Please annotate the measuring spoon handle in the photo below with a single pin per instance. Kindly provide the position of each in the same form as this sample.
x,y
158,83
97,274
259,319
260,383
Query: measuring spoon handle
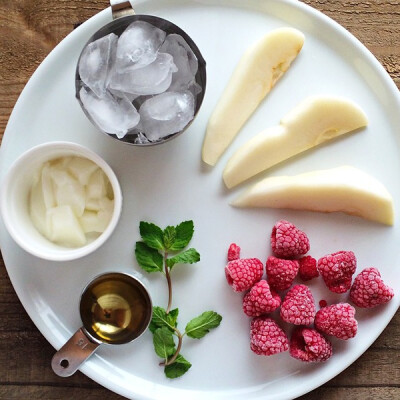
x,y
69,358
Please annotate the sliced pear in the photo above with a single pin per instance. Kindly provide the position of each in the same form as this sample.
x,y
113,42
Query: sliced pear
x,y
345,189
256,74
314,121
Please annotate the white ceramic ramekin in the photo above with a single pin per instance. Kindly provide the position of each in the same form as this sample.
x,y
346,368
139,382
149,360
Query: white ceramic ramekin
x,y
14,201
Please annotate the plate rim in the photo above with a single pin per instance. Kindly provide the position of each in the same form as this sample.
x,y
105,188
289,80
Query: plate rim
x,y
90,369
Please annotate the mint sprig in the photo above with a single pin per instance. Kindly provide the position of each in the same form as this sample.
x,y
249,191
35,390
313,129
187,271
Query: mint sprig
x,y
152,254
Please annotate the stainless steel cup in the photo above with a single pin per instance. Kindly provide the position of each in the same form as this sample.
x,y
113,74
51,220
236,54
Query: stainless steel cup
x,y
115,308
124,15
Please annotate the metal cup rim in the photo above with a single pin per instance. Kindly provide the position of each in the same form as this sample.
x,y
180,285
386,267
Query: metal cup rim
x,y
103,275
201,75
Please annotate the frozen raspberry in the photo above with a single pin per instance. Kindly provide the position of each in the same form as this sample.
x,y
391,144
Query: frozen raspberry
x,y
369,290
260,300
281,273
308,268
267,337
233,252
287,241
337,270
337,320
242,274
298,306
309,345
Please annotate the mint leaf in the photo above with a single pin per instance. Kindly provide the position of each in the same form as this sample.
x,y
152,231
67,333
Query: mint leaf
x,y
169,235
149,259
179,367
184,233
152,235
189,256
201,325
164,344
161,319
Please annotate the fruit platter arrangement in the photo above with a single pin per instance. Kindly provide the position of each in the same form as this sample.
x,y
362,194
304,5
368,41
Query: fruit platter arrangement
x,y
249,195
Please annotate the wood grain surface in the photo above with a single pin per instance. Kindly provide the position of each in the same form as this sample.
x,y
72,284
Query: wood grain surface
x,y
29,29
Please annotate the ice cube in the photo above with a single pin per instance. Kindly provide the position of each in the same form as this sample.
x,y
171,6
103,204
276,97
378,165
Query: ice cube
x,y
96,61
121,95
154,78
115,116
184,59
138,45
141,139
166,114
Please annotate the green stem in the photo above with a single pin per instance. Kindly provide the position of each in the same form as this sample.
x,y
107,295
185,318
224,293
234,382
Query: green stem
x,y
172,359
168,276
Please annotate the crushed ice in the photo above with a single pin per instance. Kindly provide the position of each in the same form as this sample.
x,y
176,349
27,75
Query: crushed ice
x,y
142,82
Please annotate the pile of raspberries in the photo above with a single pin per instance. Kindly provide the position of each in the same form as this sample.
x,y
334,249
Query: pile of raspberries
x,y
307,343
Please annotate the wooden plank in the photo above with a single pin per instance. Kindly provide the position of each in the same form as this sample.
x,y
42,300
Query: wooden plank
x,y
43,392
356,393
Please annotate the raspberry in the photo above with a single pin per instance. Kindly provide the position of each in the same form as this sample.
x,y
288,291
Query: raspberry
x,y
298,306
281,273
233,252
267,337
287,241
337,320
242,274
260,300
309,345
337,270
308,268
369,290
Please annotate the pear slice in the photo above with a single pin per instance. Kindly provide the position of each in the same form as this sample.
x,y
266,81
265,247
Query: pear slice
x,y
255,75
346,189
315,120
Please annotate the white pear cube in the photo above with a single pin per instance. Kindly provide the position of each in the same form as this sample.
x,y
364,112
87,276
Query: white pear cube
x,y
68,191
47,186
255,75
82,169
97,186
315,120
344,189
37,208
92,222
64,227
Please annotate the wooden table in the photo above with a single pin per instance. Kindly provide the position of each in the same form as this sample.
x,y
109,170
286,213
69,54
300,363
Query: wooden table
x,y
29,29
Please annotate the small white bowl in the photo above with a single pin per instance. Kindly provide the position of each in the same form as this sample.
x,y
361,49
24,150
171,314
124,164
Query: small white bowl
x,y
15,201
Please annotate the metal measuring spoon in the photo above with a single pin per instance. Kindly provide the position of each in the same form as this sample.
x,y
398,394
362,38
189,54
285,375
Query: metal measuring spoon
x,y
123,15
115,308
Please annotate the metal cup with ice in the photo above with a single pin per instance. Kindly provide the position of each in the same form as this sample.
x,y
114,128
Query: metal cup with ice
x,y
140,79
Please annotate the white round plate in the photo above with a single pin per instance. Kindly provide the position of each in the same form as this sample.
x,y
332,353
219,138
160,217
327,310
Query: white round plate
x,y
168,184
